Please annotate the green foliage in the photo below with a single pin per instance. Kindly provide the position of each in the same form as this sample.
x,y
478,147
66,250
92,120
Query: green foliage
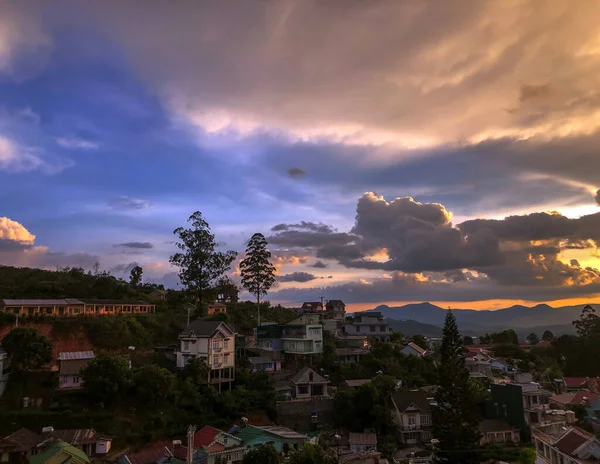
x,y
455,419
258,274
135,276
106,378
265,454
505,337
510,350
27,349
533,339
547,336
580,412
244,316
199,262
154,384
313,454
467,340
527,456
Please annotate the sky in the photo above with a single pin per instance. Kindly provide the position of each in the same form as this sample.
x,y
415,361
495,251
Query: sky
x,y
390,151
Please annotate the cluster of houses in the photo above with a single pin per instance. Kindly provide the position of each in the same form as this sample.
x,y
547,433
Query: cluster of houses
x,y
70,307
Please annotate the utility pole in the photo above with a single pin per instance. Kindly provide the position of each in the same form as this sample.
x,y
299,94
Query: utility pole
x,y
190,443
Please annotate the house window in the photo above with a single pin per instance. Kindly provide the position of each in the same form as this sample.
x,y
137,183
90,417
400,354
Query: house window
x,y
75,379
372,328
318,345
424,419
303,389
225,358
382,328
186,345
426,435
216,345
226,344
412,420
358,328
215,359
75,310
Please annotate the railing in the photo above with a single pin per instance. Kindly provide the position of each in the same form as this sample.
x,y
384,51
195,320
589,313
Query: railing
x,y
217,349
412,428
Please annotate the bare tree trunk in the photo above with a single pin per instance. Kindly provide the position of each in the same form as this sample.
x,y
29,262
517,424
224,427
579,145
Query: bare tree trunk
x,y
258,307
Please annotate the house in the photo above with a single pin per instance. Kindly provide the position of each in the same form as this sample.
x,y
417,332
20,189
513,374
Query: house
x,y
68,307
70,365
216,308
362,442
264,364
312,306
369,323
335,309
412,349
368,457
86,440
3,370
309,384
19,446
301,339
352,341
213,342
350,355
412,414
158,452
502,366
59,452
565,446
478,368
589,400
306,318
498,431
355,384
582,383
159,294
269,339
214,446
282,438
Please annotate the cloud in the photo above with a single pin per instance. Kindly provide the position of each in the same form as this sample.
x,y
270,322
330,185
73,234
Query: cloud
x,y
297,277
76,143
128,203
12,231
597,197
139,245
21,37
123,269
319,265
296,173
16,158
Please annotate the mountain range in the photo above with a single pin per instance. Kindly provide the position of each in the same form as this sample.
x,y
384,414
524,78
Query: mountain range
x,y
522,319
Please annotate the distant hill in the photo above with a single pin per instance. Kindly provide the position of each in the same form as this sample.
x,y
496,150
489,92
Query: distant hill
x,y
520,318
410,328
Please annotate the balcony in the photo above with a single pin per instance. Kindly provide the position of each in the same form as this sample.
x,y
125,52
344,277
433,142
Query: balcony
x,y
412,428
217,349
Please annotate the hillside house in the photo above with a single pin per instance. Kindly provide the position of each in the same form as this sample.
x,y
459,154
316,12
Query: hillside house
x,y
19,446
574,384
264,364
335,309
213,445
412,415
309,384
213,342
70,365
216,308
282,438
350,355
306,318
362,442
300,339
412,349
269,340
70,307
86,440
369,323
163,452
59,452
3,370
589,400
159,294
498,431
565,446
312,306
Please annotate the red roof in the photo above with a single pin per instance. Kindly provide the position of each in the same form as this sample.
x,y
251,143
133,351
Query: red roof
x,y
575,382
153,452
205,436
215,448
572,440
581,394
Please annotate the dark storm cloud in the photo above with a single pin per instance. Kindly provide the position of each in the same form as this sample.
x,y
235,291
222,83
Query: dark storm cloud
x,y
123,268
13,245
297,277
319,265
296,173
139,245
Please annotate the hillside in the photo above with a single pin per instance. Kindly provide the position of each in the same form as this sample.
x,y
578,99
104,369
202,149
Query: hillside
x,y
410,328
518,317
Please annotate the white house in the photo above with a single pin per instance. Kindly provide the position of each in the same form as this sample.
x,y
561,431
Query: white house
x,y
213,342
412,349
70,365
412,416
301,338
369,323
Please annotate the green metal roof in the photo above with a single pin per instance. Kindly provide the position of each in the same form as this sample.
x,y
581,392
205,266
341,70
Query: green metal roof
x,y
56,448
249,433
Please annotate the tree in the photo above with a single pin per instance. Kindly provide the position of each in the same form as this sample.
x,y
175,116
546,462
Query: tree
x,y
588,325
265,454
312,454
527,456
154,383
105,378
533,339
27,349
135,276
506,336
199,261
467,340
226,290
485,339
421,341
196,371
456,421
258,274
547,336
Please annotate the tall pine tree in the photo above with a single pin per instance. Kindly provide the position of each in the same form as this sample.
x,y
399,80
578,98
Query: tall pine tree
x,y
455,418
256,269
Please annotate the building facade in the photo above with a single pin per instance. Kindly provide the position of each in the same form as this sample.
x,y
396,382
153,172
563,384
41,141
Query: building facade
x,y
302,339
370,324
412,416
70,365
69,307
212,342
